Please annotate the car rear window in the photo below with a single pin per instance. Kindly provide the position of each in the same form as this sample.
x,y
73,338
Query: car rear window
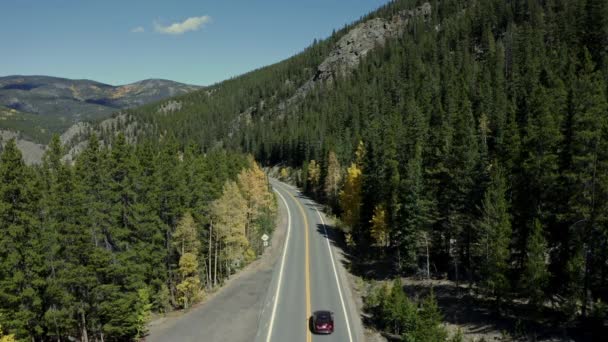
x,y
324,317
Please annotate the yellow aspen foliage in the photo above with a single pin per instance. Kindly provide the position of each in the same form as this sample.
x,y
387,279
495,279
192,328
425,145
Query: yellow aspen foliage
x,y
283,173
254,187
189,289
6,338
334,177
229,217
314,174
350,196
380,228
360,154
185,237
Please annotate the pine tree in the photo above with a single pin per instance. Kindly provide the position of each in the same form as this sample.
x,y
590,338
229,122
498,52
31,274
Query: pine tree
x,y
495,230
22,276
91,249
429,326
535,277
588,123
415,220
65,244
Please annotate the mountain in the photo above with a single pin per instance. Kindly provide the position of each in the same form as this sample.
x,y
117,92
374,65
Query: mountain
x,y
476,135
462,142
45,105
219,114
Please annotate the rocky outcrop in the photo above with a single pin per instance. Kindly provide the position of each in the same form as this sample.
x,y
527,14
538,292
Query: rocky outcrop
x,y
76,137
32,153
170,107
356,44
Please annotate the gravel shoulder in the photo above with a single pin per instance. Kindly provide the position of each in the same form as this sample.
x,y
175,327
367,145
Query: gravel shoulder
x,y
232,313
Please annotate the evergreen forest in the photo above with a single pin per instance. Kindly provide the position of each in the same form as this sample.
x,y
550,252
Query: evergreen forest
x,y
472,147
90,250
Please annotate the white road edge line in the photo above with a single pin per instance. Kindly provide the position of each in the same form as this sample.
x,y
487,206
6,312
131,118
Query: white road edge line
x,y
276,296
333,264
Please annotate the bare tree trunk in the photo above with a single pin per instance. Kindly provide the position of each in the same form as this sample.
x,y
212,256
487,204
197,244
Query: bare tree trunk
x,y
585,284
85,336
215,275
428,264
209,258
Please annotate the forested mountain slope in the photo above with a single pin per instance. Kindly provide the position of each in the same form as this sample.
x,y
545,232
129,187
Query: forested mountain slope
x,y
45,105
475,135
484,130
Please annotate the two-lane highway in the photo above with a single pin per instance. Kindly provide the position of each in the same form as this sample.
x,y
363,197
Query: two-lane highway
x,y
307,277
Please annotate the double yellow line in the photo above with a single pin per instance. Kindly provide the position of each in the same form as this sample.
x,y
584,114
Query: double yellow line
x,y
306,265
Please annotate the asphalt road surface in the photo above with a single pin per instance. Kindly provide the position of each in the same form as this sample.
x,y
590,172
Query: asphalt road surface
x,y
272,299
307,277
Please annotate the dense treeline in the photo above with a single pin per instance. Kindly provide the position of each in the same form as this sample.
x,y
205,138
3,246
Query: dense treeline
x,y
89,250
484,153
399,315
485,144
485,150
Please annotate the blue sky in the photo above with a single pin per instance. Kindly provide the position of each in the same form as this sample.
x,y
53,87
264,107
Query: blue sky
x,y
102,39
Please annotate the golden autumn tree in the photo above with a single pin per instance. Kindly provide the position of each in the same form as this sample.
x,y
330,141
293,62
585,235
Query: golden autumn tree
x,y
333,179
379,229
185,237
284,174
6,338
255,189
229,217
350,196
187,244
189,289
314,175
360,154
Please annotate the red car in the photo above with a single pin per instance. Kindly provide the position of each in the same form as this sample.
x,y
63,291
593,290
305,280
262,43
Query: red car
x,y
323,322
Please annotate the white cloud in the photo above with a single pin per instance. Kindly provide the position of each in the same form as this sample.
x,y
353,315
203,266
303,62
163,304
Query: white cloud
x,y
138,29
190,24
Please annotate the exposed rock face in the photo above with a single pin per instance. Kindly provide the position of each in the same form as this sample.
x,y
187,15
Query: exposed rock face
x,y
76,137
357,43
169,107
32,152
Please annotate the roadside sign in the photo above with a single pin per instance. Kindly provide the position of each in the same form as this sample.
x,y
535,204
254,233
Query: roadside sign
x,y
265,243
265,238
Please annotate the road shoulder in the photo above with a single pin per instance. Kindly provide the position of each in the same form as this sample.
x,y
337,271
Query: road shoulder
x,y
241,299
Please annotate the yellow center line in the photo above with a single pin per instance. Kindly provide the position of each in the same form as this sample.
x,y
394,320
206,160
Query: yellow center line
x,y
306,266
